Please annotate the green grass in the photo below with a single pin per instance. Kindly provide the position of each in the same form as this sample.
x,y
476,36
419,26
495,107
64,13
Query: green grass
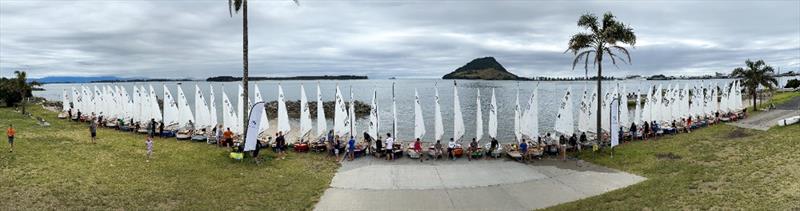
x,y
719,167
57,167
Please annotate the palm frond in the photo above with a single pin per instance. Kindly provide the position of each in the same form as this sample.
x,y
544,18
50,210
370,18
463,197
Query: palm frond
x,y
589,21
582,55
234,6
623,50
579,41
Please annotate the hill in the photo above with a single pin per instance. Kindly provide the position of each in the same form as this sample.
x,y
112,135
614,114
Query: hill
x,y
486,68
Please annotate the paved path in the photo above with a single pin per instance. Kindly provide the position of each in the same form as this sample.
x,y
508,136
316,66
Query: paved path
x,y
405,184
765,120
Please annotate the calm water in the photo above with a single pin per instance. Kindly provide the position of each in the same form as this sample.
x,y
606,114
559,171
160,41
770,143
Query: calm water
x,y
550,93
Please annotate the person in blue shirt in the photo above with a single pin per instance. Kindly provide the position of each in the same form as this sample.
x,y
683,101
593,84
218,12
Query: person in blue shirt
x,y
523,150
351,148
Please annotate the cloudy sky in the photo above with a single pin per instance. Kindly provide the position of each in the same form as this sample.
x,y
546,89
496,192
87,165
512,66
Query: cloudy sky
x,y
381,38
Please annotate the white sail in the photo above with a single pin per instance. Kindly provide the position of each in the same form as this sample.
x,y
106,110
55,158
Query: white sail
x,y
137,104
264,122
564,121
624,121
530,118
373,115
339,115
128,99
240,111
419,122
517,120
305,114
605,123
322,125
212,106
184,112
478,118
493,117
170,109
229,117
283,114
352,115
394,114
583,114
593,111
637,112
438,124
458,120
155,111
64,101
201,110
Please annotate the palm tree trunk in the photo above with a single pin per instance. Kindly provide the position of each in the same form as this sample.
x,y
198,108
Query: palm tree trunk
x,y
755,95
245,72
599,97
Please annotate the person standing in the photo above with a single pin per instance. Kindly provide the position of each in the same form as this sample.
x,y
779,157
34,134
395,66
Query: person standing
x,y
10,133
149,145
152,127
161,129
256,151
389,147
227,138
281,144
368,140
473,148
351,148
492,147
93,130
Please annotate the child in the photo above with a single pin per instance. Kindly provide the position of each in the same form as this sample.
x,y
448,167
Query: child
x,y
149,144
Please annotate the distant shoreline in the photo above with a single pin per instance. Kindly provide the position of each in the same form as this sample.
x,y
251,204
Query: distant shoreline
x,y
324,77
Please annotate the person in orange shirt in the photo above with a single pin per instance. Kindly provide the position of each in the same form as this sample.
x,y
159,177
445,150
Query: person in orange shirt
x,y
228,137
11,133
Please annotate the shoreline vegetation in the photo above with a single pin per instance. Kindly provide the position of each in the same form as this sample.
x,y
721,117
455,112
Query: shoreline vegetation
x,y
57,167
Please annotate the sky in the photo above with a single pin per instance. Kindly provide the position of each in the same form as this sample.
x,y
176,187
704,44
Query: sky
x,y
383,38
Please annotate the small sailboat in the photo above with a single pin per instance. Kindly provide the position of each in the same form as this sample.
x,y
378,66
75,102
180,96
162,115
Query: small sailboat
x,y
322,124
283,115
171,113
229,116
419,127
478,125
202,116
339,115
263,136
305,122
185,117
374,120
438,125
458,122
493,128
563,123
65,107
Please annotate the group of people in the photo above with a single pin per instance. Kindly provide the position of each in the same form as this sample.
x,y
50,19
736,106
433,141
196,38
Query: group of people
x,y
653,129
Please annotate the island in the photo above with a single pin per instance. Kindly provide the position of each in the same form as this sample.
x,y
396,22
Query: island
x,y
324,77
486,68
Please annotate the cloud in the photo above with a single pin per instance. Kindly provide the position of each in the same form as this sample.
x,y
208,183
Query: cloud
x,y
427,39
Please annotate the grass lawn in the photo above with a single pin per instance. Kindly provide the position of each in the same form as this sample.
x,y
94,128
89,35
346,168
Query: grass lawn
x,y
719,167
57,167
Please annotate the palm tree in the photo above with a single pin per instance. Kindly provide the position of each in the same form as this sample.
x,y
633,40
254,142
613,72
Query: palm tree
x,y
602,38
21,86
757,73
241,5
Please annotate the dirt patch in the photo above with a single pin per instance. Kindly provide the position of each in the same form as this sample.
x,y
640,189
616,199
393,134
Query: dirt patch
x,y
738,133
668,156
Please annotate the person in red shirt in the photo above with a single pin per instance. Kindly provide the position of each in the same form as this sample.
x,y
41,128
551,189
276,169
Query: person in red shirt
x,y
418,149
10,132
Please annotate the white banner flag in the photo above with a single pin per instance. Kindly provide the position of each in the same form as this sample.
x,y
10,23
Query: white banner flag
x,y
614,122
254,121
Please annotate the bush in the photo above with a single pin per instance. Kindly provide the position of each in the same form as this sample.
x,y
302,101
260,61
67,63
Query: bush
x,y
794,83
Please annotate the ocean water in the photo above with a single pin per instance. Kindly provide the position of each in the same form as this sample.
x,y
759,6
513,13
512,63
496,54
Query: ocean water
x,y
550,94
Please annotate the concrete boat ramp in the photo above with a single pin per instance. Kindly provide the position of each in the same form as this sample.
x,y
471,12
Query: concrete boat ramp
x,y
406,184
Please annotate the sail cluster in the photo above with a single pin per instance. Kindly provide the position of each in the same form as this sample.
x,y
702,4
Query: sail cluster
x,y
663,103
